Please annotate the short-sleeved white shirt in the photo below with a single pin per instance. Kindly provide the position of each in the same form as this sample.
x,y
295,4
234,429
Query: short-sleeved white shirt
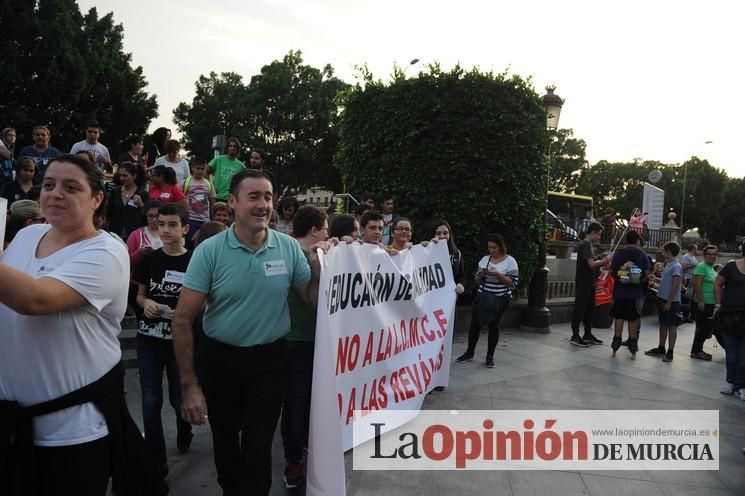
x,y
96,149
46,356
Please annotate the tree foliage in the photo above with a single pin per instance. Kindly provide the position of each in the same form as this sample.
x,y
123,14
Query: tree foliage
x,y
467,146
709,192
289,109
61,69
566,160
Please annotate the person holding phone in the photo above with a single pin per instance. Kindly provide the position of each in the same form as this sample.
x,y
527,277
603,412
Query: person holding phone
x,y
497,276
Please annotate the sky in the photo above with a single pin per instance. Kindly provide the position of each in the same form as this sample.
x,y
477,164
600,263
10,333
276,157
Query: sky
x,y
650,80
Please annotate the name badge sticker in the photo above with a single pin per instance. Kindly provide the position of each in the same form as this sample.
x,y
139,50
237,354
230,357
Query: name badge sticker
x,y
174,277
275,268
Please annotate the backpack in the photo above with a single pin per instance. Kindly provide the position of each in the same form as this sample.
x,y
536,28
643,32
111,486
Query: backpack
x,y
629,274
187,182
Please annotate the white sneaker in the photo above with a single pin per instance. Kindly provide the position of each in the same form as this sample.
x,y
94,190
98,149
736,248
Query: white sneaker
x,y
741,394
728,388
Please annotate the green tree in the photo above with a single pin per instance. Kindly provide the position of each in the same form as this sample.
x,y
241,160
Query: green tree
x,y
289,109
466,146
61,68
566,160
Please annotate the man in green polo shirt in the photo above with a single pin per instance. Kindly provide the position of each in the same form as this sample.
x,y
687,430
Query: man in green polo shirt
x,y
224,167
703,305
244,275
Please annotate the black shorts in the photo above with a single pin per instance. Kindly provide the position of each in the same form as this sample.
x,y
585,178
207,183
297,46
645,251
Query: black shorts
x,y
625,309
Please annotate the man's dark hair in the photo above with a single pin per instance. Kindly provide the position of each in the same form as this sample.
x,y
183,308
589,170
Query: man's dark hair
x,y
132,141
672,247
175,209
237,179
388,196
370,215
198,161
709,247
341,225
93,123
306,218
692,247
632,237
594,227
262,153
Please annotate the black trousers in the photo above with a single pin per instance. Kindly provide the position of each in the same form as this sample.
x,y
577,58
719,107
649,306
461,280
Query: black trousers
x,y
584,306
502,303
704,324
80,469
244,388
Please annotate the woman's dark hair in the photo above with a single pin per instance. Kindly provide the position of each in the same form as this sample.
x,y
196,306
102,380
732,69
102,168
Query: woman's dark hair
x,y
160,136
452,247
136,170
287,202
220,207
24,162
207,230
153,204
172,145
132,141
86,154
498,240
93,176
398,221
168,174
341,225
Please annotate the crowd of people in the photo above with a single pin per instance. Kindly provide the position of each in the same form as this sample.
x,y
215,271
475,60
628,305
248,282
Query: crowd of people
x,y
223,290
222,278
704,293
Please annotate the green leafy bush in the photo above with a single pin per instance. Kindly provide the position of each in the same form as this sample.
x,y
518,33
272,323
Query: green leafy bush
x,y
467,146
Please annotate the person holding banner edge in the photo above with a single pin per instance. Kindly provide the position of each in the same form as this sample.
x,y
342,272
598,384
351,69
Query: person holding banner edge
x,y
310,226
244,274
497,276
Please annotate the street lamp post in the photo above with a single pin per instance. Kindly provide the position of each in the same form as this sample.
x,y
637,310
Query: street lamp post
x,y
411,64
537,317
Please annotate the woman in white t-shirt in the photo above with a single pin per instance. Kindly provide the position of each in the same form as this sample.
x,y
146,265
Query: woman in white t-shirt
x,y
175,161
497,276
62,298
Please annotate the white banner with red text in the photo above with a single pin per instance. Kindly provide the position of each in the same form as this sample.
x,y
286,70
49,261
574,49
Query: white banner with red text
x,y
383,341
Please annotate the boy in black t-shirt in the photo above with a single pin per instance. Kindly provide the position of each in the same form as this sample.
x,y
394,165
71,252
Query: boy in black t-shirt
x,y
159,277
584,282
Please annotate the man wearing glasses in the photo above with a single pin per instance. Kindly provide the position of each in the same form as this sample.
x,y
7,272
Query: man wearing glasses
x,y
224,167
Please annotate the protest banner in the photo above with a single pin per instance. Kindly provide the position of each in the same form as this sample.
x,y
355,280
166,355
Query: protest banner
x,y
3,220
383,341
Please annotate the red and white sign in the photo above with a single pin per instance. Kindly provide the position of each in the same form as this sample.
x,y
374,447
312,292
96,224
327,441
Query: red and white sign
x,y
383,341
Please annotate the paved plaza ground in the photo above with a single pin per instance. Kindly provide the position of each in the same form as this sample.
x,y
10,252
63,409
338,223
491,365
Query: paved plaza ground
x,y
534,372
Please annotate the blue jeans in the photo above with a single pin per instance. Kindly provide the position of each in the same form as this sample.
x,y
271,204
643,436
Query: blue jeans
x,y
296,406
154,355
735,353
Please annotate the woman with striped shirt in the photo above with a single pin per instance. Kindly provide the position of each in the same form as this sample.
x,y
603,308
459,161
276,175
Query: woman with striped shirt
x,y
497,276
